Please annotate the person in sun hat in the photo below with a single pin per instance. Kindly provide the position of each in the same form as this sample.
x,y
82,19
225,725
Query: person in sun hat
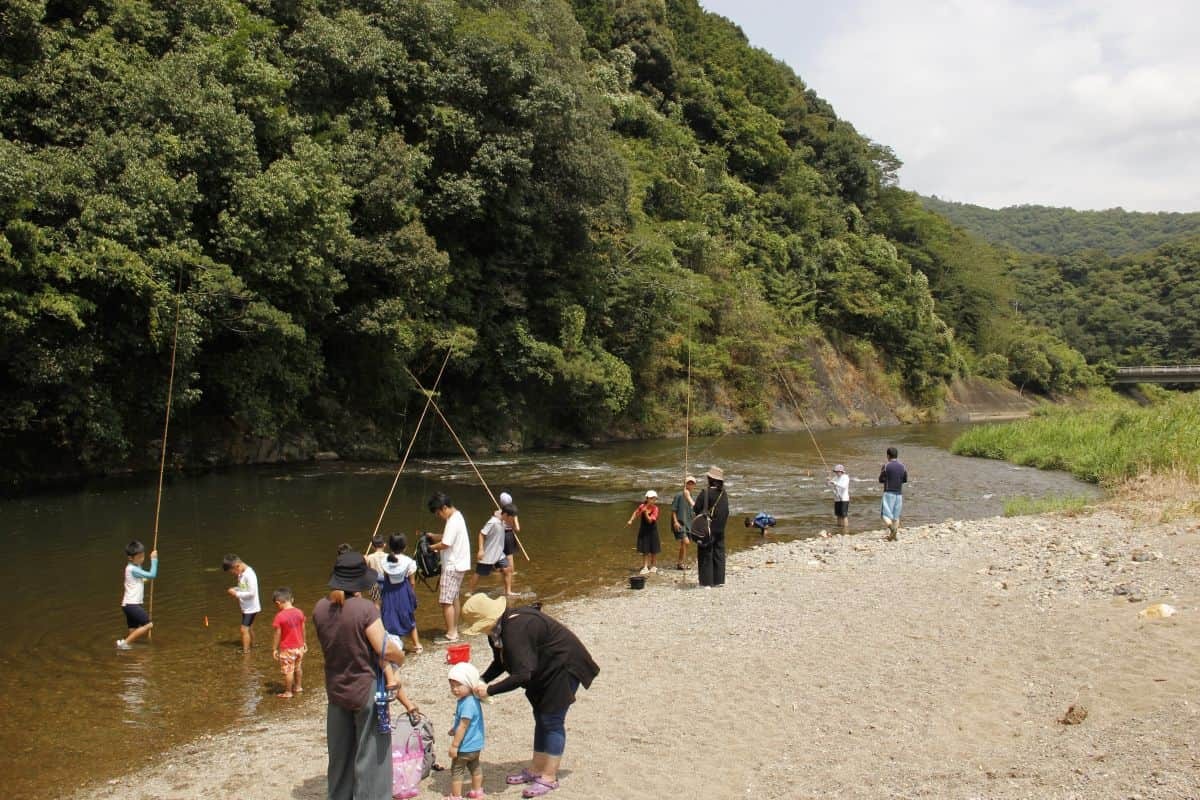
x,y
681,519
841,496
543,657
715,503
648,543
355,646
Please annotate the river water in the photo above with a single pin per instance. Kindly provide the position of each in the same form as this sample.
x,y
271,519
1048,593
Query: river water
x,y
77,710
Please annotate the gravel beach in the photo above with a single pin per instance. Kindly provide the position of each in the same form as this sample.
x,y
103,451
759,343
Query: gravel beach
x,y
997,658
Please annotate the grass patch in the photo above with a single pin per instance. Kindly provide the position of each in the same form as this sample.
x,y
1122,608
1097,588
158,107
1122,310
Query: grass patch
x,y
1026,506
1107,439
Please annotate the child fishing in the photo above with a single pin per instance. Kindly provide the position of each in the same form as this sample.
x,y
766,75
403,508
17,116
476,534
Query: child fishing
x,y
135,588
648,543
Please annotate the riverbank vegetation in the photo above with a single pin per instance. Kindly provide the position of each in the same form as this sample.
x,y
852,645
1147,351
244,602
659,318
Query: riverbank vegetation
x,y
581,202
1107,439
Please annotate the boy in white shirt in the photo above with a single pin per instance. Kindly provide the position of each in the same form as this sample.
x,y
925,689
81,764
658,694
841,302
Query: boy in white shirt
x,y
136,617
246,593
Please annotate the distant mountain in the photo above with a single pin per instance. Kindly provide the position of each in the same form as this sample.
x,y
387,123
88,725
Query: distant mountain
x,y
1060,231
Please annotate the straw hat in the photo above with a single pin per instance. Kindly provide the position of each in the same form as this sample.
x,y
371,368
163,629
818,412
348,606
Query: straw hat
x,y
351,573
716,473
480,612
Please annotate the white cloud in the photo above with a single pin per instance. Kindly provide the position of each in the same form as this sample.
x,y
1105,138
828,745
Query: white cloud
x,y
1086,104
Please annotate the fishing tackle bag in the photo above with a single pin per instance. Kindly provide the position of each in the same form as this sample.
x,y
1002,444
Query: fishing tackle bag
x,y
429,563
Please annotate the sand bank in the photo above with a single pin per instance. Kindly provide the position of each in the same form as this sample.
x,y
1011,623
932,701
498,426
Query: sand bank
x,y
938,666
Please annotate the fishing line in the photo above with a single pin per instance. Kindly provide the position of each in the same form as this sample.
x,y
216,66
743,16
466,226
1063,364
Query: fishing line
x,y
411,441
466,455
799,413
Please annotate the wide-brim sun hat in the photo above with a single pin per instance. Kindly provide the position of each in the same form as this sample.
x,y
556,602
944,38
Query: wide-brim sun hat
x,y
839,468
351,573
480,613
716,473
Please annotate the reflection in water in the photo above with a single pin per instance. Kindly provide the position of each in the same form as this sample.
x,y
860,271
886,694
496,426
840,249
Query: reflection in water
x,y
286,522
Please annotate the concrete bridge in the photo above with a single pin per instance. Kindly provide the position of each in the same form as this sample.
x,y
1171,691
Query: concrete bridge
x,y
1181,374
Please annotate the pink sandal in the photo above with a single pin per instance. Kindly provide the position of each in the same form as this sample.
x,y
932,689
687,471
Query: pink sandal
x,y
539,787
524,776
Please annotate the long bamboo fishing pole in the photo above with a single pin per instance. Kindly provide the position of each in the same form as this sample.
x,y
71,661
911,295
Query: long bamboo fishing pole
x,y
429,400
799,413
466,455
162,459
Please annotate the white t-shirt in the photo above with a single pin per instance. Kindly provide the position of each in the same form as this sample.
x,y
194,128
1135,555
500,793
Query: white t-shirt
x,y
841,488
247,592
135,582
493,540
457,553
397,571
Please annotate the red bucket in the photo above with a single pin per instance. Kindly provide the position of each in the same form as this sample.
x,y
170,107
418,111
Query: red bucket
x,y
458,653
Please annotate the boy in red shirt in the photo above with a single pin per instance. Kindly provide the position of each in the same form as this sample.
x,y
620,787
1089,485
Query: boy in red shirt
x,y
290,645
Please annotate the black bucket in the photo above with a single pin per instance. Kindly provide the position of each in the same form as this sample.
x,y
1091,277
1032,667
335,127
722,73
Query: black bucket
x,y
637,581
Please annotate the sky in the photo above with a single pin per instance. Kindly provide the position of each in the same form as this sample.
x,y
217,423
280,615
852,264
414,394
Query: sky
x,y
1089,105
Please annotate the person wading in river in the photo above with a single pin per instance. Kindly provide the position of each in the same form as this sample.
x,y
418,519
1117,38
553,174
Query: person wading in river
x,y
893,476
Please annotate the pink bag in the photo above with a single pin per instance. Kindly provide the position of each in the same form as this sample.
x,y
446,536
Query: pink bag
x,y
407,762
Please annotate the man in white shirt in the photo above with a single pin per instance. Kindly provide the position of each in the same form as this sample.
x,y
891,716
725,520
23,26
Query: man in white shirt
x,y
246,593
454,542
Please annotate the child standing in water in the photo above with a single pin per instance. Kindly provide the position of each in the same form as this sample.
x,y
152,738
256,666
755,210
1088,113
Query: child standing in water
x,y
290,644
648,543
466,736
135,589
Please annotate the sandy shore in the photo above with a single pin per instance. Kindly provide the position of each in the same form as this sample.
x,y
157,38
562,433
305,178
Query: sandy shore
x,y
939,666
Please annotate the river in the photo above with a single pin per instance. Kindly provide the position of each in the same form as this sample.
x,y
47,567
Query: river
x,y
77,710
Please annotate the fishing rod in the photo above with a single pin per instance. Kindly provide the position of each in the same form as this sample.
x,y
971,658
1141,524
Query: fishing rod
x,y
799,413
466,455
162,460
429,400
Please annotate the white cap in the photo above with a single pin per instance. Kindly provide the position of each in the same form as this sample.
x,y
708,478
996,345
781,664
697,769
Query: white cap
x,y
651,493
505,499
839,468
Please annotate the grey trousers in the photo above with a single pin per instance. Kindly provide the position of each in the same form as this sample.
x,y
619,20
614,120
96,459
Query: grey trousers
x,y
360,757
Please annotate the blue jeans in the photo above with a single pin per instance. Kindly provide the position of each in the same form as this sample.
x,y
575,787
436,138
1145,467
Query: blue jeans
x,y
550,729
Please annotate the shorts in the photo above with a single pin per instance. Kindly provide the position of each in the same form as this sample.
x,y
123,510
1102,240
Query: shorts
x,y
510,541
289,660
680,534
891,506
483,570
841,508
135,615
248,619
449,585
465,765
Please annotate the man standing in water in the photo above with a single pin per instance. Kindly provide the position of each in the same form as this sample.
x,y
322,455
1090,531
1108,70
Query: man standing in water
x,y
893,476
841,497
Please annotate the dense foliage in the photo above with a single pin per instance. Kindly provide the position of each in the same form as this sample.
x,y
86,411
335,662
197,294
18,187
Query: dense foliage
x,y
1107,441
575,200
1061,231
1126,311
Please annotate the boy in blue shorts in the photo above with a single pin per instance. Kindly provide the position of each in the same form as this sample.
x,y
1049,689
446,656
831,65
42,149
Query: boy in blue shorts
x,y
135,588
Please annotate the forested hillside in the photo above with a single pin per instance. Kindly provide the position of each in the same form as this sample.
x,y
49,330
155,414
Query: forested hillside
x,y
572,199
1128,311
1061,231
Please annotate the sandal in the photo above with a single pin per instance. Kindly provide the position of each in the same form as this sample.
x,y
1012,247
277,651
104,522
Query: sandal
x,y
539,787
524,776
